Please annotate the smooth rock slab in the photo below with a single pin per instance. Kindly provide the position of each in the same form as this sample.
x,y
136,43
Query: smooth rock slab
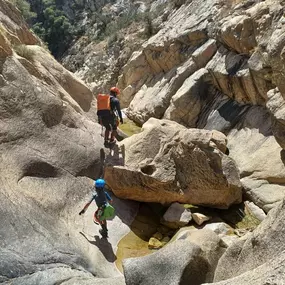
x,y
180,262
259,249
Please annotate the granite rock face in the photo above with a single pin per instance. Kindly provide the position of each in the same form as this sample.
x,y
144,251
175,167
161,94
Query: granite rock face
x,y
49,150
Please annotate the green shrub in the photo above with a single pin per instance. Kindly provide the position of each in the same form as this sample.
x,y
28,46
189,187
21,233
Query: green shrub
x,y
149,29
24,51
53,27
25,9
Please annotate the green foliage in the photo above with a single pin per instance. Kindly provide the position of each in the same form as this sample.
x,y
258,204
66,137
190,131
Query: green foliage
x,y
149,29
112,39
50,23
52,26
111,27
25,9
24,51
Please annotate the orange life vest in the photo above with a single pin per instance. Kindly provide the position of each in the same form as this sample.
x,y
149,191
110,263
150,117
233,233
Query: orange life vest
x,y
103,102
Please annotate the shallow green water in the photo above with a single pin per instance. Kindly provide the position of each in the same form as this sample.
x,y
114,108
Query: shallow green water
x,y
129,127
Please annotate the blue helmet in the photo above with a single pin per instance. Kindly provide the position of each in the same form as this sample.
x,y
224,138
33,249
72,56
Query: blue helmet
x,y
99,183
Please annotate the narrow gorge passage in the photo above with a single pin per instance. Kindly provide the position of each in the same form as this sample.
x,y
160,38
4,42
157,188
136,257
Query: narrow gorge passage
x,y
197,173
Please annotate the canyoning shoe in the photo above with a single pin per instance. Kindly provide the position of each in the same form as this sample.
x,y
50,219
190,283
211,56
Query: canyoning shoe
x,y
103,233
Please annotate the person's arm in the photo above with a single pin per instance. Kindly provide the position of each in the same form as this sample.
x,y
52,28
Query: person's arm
x,y
86,207
108,197
118,108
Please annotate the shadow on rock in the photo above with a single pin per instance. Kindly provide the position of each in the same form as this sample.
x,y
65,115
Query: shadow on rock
x,y
104,246
282,156
116,156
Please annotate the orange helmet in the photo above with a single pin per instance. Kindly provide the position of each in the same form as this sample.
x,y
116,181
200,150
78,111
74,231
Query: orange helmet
x,y
115,90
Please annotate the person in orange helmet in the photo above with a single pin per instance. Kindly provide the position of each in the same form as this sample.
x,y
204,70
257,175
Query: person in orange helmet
x,y
108,109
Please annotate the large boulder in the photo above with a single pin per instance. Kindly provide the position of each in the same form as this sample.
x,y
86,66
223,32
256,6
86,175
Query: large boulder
x,y
169,163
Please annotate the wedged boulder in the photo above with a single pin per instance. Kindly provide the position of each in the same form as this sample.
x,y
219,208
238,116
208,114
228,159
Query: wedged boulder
x,y
262,250
229,240
200,218
176,216
180,262
168,163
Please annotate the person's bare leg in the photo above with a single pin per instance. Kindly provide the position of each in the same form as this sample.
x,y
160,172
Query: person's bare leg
x,y
95,218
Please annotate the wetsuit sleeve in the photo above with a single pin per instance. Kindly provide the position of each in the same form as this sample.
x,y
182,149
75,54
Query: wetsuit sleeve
x,y
108,196
118,108
86,206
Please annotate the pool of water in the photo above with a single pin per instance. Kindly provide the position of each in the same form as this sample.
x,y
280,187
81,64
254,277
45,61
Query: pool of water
x,y
129,127
135,243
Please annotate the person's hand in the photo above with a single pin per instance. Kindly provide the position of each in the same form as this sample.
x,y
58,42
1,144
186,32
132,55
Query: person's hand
x,y
121,121
81,212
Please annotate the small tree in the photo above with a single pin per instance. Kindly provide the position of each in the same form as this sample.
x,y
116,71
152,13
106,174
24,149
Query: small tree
x,y
54,28
149,30
25,9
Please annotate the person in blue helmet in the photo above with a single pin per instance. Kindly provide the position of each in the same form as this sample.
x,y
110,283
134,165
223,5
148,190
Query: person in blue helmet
x,y
101,198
